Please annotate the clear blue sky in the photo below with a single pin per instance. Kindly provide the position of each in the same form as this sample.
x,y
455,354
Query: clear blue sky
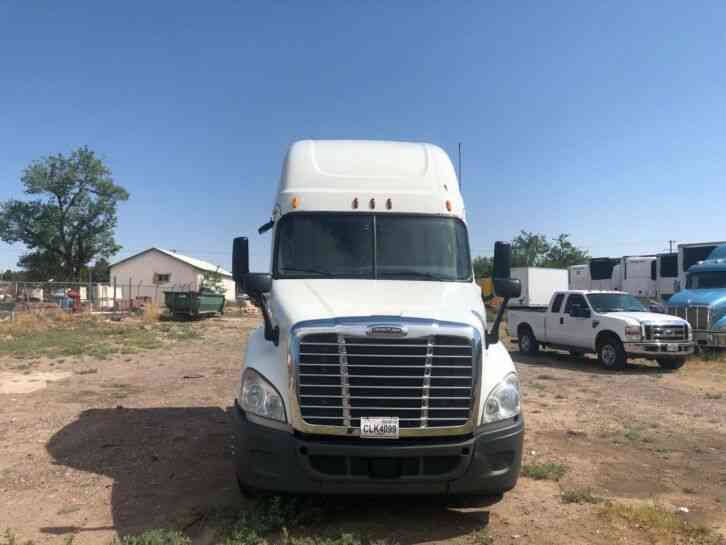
x,y
605,121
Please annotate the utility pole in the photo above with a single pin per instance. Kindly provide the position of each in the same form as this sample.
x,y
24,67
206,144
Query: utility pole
x,y
670,245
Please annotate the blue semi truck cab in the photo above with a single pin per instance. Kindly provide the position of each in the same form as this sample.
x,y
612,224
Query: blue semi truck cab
x,y
703,301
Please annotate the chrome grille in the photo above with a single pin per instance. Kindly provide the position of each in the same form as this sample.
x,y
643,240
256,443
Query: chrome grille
x,y
666,332
699,316
427,382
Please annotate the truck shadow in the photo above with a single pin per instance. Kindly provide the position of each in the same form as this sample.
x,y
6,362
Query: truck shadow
x,y
585,364
173,468
169,465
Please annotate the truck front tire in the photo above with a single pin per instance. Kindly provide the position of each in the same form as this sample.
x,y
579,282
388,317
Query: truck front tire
x,y
611,353
671,363
527,342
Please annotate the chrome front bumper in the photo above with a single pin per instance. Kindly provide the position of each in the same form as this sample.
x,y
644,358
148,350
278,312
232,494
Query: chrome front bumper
x,y
710,338
656,349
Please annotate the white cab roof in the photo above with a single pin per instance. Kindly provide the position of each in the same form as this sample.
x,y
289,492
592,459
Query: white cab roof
x,y
327,175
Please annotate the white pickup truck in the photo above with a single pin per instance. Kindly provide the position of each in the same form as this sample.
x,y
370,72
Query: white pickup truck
x,y
612,324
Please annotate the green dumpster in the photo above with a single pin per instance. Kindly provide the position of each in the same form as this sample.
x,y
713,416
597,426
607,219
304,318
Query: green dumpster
x,y
194,303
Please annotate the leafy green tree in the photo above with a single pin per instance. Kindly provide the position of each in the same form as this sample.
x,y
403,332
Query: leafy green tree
x,y
482,266
71,220
529,249
563,253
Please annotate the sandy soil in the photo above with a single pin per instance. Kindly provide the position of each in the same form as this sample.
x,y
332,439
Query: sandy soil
x,y
143,441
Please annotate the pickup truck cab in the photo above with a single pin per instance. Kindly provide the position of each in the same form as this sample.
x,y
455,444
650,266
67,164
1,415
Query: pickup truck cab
x,y
612,324
374,371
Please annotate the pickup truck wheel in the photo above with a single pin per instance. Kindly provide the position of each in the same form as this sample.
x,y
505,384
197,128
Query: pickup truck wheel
x,y
527,343
611,354
671,363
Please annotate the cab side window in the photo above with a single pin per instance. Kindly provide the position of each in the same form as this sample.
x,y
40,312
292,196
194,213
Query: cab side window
x,y
557,303
575,300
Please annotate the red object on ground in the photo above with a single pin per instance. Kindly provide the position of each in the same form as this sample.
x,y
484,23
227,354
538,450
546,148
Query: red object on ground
x,y
73,294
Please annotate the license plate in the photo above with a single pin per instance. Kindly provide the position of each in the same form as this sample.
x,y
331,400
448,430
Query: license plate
x,y
672,347
383,427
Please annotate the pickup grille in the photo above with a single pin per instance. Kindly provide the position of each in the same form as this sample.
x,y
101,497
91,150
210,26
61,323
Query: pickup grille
x,y
427,382
666,332
699,316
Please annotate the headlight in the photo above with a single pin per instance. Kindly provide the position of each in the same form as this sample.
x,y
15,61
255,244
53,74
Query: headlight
x,y
259,397
632,333
503,401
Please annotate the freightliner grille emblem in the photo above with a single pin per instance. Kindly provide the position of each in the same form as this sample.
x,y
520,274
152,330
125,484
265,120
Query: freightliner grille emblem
x,y
386,331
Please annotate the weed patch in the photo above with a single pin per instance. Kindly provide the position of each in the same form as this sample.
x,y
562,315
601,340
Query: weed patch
x,y
86,337
544,472
662,526
580,495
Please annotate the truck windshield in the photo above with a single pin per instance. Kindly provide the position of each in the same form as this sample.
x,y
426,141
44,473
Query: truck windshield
x,y
394,247
615,302
705,280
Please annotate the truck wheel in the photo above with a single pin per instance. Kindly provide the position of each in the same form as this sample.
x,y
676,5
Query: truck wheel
x,y
527,343
671,363
611,353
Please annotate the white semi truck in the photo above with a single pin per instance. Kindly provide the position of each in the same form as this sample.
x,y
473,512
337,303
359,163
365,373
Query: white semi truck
x,y
374,371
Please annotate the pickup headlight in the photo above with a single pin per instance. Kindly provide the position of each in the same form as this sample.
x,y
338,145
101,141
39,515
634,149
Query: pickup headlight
x,y
503,401
633,333
259,397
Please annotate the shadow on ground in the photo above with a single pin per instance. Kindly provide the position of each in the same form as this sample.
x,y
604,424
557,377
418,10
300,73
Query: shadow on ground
x,y
169,465
172,467
584,364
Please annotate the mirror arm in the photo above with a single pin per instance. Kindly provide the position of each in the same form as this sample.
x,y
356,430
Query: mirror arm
x,y
492,336
271,333
265,227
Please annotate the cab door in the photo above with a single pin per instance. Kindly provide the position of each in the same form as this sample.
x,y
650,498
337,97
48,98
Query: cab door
x,y
576,322
555,319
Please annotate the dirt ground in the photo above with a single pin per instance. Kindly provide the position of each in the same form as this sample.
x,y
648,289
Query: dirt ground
x,y
103,447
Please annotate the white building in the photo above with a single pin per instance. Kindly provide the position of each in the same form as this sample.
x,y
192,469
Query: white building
x,y
152,272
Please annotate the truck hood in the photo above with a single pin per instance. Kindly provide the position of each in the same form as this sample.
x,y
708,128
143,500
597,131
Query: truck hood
x,y
650,317
316,299
716,296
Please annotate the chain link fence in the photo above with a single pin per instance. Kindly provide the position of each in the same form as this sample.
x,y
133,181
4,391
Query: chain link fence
x,y
88,297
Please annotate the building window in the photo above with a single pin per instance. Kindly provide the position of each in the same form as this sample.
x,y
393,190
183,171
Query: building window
x,y
162,278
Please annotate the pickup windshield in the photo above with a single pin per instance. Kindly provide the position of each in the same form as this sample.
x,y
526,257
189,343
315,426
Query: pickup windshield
x,y
390,246
706,280
615,302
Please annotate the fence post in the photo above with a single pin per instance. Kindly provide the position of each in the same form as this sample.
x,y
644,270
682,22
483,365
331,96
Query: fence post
x,y
113,304
130,296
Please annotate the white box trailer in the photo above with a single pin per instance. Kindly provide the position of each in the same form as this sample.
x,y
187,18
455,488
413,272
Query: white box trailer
x,y
690,254
538,284
579,277
638,273
666,274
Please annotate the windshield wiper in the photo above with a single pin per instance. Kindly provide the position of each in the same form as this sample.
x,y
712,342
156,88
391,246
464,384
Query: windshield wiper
x,y
413,274
309,271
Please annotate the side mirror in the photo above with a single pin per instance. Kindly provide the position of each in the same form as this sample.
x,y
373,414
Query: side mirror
x,y
240,261
507,288
502,267
257,284
504,286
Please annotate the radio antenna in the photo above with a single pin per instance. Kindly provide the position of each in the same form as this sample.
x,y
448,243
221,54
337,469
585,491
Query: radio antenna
x,y
461,155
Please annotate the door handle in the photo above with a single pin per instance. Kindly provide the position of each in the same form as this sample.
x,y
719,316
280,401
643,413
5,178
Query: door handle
x,y
562,320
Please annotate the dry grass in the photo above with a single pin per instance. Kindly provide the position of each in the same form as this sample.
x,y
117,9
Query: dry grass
x,y
34,336
544,472
662,526
151,314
